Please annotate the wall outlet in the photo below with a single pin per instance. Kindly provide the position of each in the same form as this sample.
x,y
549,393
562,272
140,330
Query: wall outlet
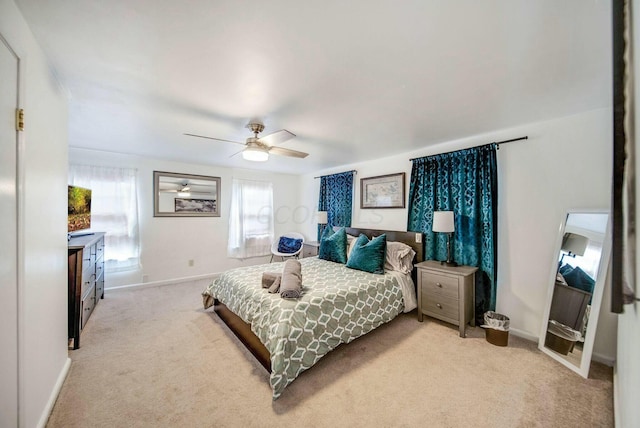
x,y
191,263
418,238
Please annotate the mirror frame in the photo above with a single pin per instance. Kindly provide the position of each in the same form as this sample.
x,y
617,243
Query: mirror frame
x,y
156,195
596,302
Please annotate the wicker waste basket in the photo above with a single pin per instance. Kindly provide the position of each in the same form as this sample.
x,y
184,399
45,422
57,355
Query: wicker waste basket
x,y
496,328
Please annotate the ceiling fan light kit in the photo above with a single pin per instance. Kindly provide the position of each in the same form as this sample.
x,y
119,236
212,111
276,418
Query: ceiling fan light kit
x,y
255,154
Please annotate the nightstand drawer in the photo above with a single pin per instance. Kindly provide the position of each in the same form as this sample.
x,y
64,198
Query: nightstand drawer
x,y
440,307
440,285
309,252
310,249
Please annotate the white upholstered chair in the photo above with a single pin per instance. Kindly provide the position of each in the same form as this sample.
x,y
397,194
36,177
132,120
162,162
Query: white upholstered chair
x,y
274,246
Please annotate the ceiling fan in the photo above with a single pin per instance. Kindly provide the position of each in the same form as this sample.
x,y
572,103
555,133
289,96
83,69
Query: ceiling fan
x,y
258,149
172,186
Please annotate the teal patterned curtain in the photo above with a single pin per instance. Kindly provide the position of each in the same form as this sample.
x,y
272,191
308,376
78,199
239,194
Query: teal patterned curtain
x,y
336,195
465,182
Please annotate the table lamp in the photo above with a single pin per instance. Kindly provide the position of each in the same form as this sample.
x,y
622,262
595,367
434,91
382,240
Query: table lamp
x,y
443,223
322,220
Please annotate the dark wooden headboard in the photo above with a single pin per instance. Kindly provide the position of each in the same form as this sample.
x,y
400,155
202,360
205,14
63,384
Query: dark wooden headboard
x,y
408,238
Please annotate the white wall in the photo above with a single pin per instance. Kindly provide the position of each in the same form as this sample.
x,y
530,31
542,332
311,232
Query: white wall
x,y
42,319
168,243
565,164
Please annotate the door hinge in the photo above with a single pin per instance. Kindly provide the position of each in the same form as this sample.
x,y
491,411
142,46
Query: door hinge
x,y
19,119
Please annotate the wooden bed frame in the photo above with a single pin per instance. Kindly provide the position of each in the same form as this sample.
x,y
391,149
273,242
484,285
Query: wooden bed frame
x,y
242,330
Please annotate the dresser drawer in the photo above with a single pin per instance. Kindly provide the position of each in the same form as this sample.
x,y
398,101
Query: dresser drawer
x,y
99,269
88,303
99,248
93,251
99,287
440,285
440,307
88,270
88,282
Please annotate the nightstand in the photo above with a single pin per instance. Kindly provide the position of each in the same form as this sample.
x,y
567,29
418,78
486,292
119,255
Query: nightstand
x,y
447,293
310,249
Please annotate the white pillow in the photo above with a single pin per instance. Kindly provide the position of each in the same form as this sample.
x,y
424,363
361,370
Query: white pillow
x,y
350,242
399,257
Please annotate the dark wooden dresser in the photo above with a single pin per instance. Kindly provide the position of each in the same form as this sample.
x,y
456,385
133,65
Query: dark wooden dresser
x,y
86,280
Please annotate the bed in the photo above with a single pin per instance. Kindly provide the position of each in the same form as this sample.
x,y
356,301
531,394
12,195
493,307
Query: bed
x,y
338,304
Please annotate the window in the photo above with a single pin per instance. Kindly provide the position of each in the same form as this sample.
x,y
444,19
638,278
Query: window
x,y
114,210
250,219
589,261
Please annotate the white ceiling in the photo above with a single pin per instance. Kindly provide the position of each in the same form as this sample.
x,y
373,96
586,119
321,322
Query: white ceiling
x,y
354,80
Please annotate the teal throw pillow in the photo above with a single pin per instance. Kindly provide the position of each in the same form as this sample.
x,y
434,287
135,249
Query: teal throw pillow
x,y
580,279
368,255
333,245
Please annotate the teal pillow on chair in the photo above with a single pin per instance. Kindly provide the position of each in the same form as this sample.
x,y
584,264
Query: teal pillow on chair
x,y
368,255
333,245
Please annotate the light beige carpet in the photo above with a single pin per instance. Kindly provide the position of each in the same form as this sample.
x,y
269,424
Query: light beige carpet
x,y
153,358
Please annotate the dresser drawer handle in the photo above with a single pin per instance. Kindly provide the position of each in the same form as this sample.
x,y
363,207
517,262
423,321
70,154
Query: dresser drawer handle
x,y
438,284
439,305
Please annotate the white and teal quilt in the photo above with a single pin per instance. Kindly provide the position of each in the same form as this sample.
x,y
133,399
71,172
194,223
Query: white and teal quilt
x,y
338,305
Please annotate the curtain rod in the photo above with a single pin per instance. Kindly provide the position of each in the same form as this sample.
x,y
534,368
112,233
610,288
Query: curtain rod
x,y
353,170
496,143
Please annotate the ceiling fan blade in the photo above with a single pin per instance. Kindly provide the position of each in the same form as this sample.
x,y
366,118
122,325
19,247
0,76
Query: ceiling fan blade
x,y
277,137
287,152
212,138
236,153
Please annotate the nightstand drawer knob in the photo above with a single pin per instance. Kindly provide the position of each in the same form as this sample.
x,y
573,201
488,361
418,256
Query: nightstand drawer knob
x,y
438,284
439,305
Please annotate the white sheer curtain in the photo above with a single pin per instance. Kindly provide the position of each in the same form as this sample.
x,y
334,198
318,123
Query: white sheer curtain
x,y
114,210
250,219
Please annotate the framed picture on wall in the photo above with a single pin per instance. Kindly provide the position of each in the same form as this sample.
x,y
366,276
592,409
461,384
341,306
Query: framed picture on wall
x,y
383,191
185,195
195,205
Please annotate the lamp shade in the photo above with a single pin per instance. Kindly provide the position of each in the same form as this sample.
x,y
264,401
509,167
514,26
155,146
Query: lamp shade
x,y
574,244
255,154
443,221
322,217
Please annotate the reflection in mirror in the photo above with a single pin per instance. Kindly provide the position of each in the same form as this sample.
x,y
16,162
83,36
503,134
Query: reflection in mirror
x,y
578,275
185,195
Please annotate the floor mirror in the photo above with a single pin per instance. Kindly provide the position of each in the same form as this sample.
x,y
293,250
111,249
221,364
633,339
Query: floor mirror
x,y
576,284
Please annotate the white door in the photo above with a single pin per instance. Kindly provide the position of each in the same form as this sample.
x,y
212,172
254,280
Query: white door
x,y
8,238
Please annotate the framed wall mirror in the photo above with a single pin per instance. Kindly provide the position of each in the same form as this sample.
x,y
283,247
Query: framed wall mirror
x,y
576,285
185,195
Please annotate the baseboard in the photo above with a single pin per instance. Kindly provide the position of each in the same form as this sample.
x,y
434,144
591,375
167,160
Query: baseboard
x,y
524,335
211,276
604,359
54,394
